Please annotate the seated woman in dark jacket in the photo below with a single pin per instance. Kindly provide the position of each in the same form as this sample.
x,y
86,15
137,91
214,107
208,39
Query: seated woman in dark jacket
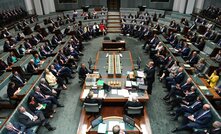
x,y
34,106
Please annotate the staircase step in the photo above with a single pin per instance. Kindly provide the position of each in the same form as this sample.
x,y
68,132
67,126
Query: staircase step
x,y
113,21
114,25
113,17
113,13
114,31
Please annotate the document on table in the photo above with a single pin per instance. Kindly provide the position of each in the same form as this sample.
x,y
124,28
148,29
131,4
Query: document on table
x,y
102,128
111,124
128,84
85,93
101,94
123,92
113,91
134,94
140,81
134,83
140,74
203,87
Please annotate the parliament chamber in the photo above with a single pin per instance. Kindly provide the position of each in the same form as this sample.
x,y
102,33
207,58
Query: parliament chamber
x,y
110,67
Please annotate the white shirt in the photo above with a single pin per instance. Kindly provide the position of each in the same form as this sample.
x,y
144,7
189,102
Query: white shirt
x,y
29,115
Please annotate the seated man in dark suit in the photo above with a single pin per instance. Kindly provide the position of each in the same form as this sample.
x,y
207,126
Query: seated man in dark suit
x,y
18,79
30,119
7,46
90,99
3,66
83,71
132,102
192,59
31,68
200,119
185,51
47,90
42,98
189,96
201,44
179,89
17,128
176,79
189,107
55,40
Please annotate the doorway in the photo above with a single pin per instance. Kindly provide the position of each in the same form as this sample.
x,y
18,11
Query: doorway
x,y
113,5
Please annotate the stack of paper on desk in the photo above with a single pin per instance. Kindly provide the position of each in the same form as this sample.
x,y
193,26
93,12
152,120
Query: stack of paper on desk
x,y
123,92
102,128
85,93
113,91
140,74
140,81
101,94
128,84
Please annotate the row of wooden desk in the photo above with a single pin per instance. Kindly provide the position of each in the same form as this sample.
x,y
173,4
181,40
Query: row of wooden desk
x,y
113,103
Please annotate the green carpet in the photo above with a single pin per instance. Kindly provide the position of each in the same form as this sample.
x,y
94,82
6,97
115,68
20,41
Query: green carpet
x,y
66,119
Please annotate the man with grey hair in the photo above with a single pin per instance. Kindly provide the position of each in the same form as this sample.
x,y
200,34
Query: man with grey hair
x,y
17,128
42,98
48,90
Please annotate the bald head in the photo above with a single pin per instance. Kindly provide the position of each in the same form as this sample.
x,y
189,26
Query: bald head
x,y
189,80
206,106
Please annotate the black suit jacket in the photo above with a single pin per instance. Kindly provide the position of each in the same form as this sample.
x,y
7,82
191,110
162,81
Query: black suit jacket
x,y
26,120
45,90
93,101
30,68
18,82
82,72
150,74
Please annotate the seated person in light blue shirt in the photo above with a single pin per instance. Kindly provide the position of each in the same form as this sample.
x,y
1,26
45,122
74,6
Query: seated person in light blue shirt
x,y
37,61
